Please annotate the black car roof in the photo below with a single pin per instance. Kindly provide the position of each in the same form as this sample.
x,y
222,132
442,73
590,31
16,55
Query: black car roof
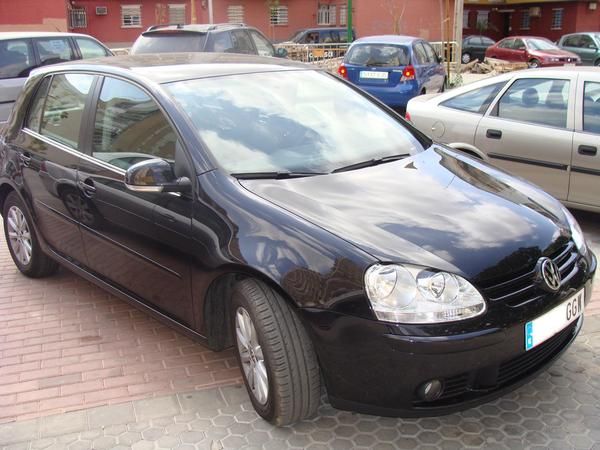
x,y
169,67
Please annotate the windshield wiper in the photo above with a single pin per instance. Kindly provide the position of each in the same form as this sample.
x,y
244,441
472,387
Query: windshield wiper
x,y
376,64
370,162
274,175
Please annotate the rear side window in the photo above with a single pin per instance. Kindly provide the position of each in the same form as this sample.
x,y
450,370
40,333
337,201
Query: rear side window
x,y
168,42
591,108
475,101
420,53
487,41
63,111
536,100
16,58
37,105
221,42
54,50
90,49
130,127
571,41
431,55
378,55
506,43
242,42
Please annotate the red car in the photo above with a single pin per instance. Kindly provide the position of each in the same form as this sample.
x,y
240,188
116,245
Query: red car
x,y
535,51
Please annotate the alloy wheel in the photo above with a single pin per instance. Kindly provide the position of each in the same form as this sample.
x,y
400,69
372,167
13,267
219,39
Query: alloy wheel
x,y
19,235
251,356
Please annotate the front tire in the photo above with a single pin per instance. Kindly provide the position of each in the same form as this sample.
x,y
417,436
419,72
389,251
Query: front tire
x,y
597,63
278,363
22,240
466,58
533,64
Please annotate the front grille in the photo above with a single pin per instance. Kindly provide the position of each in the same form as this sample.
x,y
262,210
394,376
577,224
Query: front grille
x,y
469,385
521,289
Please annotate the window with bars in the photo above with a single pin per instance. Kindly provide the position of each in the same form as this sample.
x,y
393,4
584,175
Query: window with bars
x,y
326,15
77,18
525,19
343,14
131,16
177,13
235,14
279,15
557,18
483,20
466,18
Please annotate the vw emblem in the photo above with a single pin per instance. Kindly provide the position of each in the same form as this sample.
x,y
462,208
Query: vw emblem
x,y
549,275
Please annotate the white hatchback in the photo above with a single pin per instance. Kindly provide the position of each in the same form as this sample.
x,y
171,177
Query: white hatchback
x,y
541,124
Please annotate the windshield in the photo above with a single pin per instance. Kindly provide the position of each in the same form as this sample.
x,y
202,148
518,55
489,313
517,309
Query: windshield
x,y
540,44
378,55
296,121
168,42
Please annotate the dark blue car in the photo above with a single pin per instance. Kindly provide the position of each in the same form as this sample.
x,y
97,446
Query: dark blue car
x,y
394,68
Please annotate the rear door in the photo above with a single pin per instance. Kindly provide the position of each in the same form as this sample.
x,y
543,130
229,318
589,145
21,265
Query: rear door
x,y
529,131
437,72
50,148
17,59
585,171
519,51
423,69
503,50
588,50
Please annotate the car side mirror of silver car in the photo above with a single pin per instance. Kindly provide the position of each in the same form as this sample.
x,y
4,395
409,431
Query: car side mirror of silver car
x,y
155,175
281,52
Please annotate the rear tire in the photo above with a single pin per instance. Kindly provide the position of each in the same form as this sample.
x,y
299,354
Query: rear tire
x,y
533,64
597,63
274,350
22,240
466,58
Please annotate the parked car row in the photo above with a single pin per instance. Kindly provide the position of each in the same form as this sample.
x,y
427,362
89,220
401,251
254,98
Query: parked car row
x,y
313,230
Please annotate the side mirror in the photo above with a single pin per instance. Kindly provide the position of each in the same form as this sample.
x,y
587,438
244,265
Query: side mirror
x,y
155,175
281,52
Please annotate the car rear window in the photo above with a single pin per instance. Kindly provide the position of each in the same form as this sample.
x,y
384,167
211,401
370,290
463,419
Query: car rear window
x,y
379,55
169,42
16,58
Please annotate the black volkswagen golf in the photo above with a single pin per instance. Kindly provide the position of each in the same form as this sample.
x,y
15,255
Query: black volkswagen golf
x,y
261,204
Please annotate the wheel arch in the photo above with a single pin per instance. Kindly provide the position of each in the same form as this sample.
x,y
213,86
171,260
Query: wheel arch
x,y
5,189
469,149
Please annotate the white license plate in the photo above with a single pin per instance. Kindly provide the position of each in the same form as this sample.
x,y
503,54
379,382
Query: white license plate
x,y
555,320
569,64
374,75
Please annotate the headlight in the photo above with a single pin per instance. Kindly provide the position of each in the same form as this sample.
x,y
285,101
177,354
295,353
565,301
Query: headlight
x,y
410,294
576,232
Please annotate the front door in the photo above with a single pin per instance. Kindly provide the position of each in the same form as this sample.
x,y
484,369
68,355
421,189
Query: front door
x,y
50,148
585,172
138,241
529,132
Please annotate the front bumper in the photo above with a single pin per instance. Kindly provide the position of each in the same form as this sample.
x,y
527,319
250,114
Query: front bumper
x,y
377,368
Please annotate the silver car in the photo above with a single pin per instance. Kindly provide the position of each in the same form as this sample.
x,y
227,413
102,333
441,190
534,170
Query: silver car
x,y
541,124
21,52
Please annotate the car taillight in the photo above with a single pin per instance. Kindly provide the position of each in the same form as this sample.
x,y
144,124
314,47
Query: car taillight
x,y
407,116
408,73
343,71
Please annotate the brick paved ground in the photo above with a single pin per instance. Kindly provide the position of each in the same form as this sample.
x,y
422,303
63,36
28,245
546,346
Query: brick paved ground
x,y
66,345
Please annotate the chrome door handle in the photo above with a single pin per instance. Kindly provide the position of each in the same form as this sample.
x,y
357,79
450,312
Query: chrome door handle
x,y
87,188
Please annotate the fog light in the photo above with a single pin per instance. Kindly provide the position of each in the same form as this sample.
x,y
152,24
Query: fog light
x,y
431,390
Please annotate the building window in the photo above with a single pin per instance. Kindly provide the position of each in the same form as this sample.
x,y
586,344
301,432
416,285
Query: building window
x,y
131,16
466,18
557,18
77,18
326,15
177,14
235,14
343,15
525,19
279,15
483,20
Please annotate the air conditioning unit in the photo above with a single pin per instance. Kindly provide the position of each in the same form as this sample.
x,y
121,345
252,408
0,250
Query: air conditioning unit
x,y
535,11
101,10
593,6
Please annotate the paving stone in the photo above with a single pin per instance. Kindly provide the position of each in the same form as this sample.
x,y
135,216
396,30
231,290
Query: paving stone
x,y
207,400
104,442
152,408
71,422
130,438
13,432
104,416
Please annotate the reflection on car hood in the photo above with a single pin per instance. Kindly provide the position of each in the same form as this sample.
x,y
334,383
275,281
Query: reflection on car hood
x,y
438,209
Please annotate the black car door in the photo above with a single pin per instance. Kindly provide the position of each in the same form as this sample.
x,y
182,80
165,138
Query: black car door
x,y
137,241
49,147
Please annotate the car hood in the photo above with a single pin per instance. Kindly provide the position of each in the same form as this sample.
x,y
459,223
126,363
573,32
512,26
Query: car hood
x,y
553,53
437,209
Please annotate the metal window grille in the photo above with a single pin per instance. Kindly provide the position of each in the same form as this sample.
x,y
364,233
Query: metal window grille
x,y
326,15
466,18
131,16
279,15
557,18
525,20
483,19
177,13
235,14
77,18
343,14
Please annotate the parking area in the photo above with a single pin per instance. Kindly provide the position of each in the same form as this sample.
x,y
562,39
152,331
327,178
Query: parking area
x,y
82,369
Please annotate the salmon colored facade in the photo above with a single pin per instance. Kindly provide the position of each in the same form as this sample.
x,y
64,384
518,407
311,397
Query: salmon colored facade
x,y
105,19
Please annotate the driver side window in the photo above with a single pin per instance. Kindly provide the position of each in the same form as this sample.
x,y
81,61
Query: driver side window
x,y
130,127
